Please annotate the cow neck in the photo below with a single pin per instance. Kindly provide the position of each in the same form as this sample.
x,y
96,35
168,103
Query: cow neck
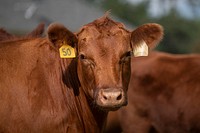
x,y
91,117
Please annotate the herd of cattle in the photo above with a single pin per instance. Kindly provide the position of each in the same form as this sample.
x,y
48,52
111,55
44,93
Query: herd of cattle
x,y
87,82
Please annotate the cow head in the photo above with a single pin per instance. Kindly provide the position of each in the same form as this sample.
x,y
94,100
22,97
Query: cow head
x,y
103,52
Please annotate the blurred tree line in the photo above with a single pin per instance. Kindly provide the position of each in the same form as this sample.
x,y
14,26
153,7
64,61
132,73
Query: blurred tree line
x,y
182,35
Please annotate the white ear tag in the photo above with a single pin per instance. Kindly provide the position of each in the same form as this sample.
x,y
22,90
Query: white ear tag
x,y
141,50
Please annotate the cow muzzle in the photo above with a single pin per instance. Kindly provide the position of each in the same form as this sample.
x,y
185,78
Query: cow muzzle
x,y
111,98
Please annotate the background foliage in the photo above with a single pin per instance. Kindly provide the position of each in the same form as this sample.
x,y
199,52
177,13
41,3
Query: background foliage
x,y
182,34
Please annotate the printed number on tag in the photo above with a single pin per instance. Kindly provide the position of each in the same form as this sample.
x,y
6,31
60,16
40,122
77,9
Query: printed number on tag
x,y
67,51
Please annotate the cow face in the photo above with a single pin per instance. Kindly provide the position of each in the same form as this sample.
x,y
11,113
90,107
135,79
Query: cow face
x,y
104,53
104,49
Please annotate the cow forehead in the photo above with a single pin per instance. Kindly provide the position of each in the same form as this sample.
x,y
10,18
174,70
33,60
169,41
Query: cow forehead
x,y
107,43
104,33
102,27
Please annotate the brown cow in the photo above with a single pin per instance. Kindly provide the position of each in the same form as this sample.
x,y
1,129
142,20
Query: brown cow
x,y
42,92
37,32
163,95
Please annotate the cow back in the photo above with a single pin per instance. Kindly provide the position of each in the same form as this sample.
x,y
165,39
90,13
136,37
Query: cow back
x,y
163,95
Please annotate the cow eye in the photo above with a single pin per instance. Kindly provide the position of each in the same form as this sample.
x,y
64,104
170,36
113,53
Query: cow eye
x,y
129,53
82,56
87,61
126,57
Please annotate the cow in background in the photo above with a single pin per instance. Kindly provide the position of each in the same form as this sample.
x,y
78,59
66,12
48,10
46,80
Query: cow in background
x,y
164,95
37,32
68,82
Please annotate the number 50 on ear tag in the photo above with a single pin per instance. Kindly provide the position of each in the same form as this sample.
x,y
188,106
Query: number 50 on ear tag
x,y
67,51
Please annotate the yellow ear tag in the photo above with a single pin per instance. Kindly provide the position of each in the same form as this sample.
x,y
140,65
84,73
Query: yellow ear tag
x,y
67,51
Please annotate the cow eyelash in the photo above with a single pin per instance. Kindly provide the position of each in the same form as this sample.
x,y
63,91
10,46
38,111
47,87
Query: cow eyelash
x,y
82,56
128,54
86,60
125,57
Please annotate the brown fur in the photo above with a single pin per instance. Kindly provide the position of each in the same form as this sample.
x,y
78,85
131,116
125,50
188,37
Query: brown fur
x,y
163,95
151,30
4,35
113,124
37,32
40,92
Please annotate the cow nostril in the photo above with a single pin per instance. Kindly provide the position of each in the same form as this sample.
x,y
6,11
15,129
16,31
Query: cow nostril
x,y
119,97
105,97
110,96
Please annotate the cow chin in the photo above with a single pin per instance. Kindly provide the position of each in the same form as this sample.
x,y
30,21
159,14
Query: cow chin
x,y
110,99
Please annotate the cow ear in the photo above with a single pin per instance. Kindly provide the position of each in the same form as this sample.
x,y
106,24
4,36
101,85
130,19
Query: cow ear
x,y
38,31
58,34
146,37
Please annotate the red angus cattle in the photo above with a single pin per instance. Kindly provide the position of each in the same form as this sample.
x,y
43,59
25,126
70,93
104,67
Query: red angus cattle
x,y
37,32
163,95
4,35
42,92
113,124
